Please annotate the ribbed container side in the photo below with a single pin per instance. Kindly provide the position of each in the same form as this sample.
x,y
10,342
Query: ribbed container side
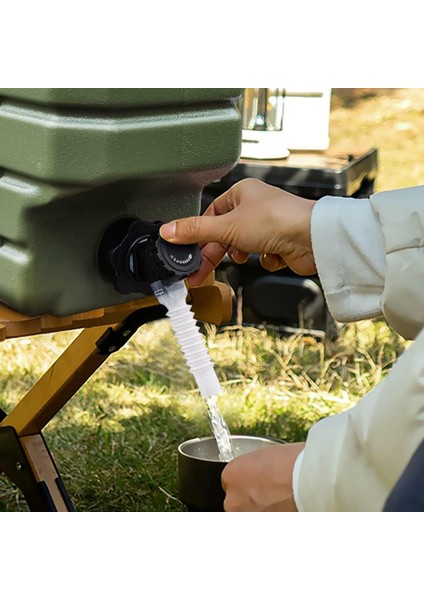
x,y
67,173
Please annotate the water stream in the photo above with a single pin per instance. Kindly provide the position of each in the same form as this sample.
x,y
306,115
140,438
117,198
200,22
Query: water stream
x,y
196,354
220,430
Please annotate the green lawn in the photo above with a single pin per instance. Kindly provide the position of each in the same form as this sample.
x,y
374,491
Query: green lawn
x,y
115,442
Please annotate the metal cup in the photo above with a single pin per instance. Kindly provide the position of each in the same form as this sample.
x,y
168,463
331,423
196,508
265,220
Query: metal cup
x,y
200,468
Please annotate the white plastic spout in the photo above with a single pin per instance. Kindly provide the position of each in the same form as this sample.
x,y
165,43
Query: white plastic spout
x,y
193,346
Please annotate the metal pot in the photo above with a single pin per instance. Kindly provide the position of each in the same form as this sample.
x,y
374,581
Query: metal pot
x,y
200,468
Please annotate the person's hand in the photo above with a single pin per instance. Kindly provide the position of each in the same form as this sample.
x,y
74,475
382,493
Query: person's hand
x,y
261,480
251,217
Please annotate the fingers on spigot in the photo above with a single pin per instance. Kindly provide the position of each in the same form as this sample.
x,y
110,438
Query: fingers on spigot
x,y
272,262
237,256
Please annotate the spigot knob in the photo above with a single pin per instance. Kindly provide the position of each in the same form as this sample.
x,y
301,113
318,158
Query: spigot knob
x,y
132,255
179,260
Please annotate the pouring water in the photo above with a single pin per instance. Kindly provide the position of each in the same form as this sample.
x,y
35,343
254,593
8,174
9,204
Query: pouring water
x,y
173,297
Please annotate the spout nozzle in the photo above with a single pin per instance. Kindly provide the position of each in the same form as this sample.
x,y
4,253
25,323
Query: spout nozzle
x,y
173,297
170,295
158,288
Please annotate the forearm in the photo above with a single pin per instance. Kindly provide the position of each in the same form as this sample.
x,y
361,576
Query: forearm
x,y
401,217
349,254
370,257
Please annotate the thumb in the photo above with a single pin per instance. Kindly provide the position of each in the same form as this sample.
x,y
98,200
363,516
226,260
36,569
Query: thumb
x,y
195,230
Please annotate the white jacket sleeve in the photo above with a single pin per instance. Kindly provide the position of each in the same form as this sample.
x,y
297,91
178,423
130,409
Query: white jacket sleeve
x,y
349,253
351,461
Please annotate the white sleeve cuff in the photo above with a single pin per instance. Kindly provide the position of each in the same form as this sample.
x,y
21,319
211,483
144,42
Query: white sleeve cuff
x,y
350,256
295,481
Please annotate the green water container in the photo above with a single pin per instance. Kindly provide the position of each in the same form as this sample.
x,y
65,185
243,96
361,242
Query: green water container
x,y
74,161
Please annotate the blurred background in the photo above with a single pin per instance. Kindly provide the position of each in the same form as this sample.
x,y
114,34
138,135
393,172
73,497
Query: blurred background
x,y
390,119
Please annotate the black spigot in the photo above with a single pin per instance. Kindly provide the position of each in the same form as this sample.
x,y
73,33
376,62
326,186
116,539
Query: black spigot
x,y
132,255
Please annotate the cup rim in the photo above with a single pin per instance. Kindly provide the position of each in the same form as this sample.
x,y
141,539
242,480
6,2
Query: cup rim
x,y
180,448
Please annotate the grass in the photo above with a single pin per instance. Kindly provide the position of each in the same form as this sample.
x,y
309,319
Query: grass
x,y
115,441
